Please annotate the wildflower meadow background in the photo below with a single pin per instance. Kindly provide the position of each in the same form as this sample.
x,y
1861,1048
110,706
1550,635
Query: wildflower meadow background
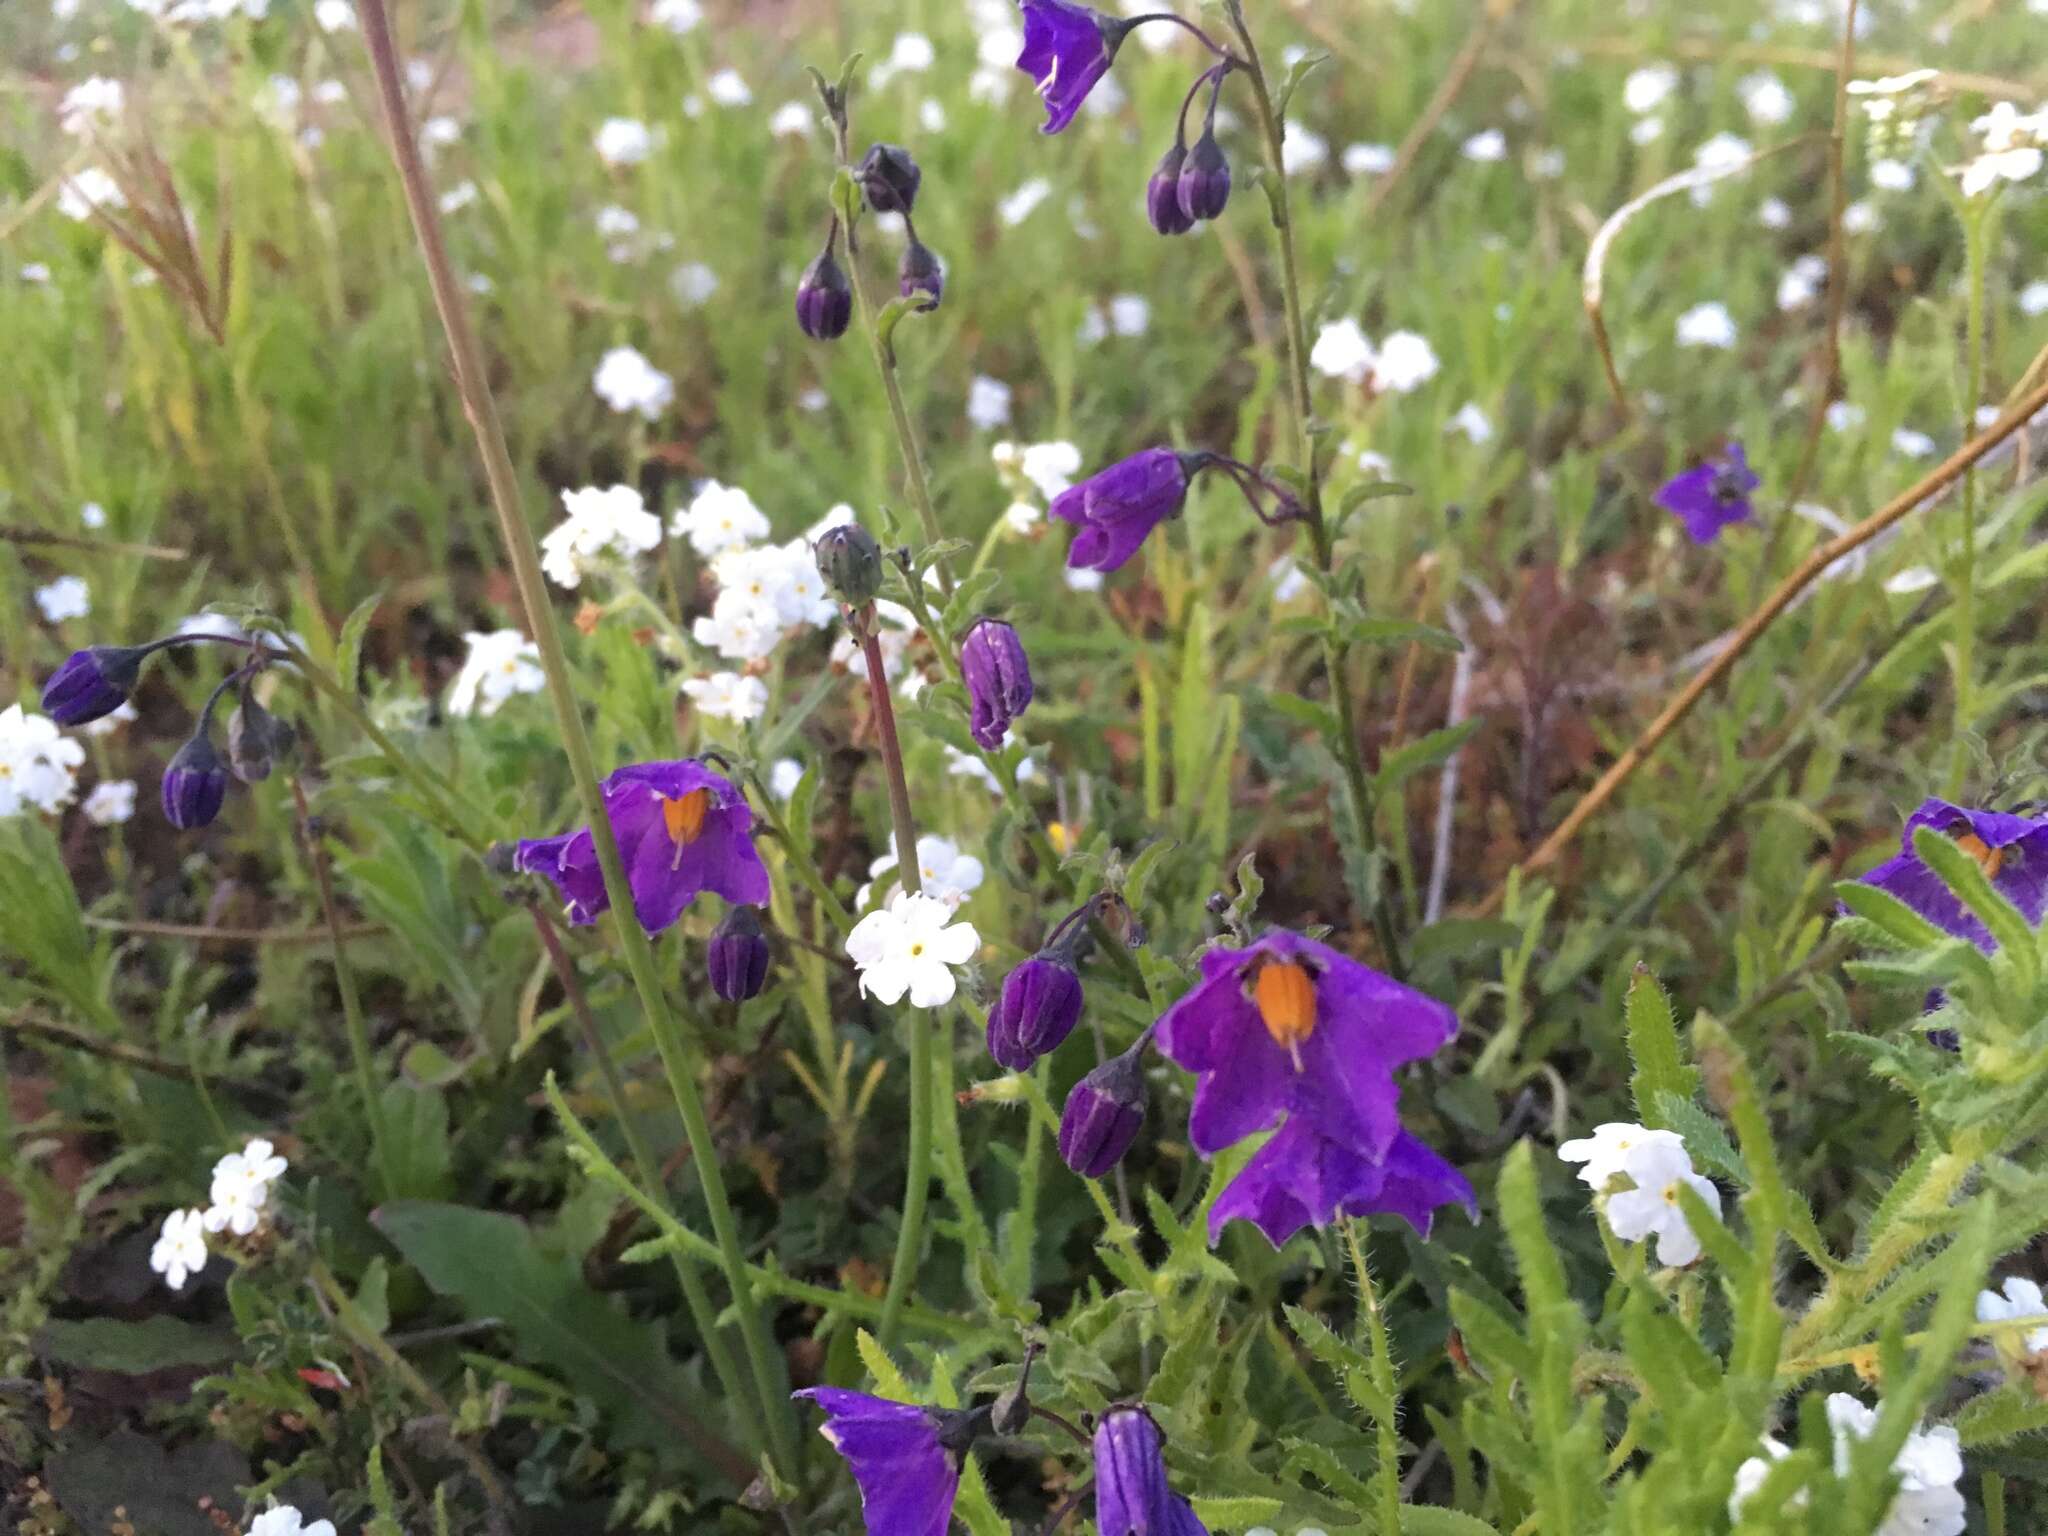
x,y
1266,768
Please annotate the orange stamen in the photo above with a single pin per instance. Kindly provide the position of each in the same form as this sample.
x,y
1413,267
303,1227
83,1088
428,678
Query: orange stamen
x,y
1286,998
1989,859
684,817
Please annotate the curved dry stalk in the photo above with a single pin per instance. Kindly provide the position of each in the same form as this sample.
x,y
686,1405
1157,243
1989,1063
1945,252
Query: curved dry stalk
x,y
1705,51
1463,66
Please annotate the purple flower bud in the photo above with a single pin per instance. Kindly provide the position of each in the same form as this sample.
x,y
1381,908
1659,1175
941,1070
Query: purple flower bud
x,y
1067,48
889,178
256,740
1162,194
1132,1497
1204,180
1103,1114
824,298
1039,1007
195,783
1117,507
737,956
92,683
998,676
921,273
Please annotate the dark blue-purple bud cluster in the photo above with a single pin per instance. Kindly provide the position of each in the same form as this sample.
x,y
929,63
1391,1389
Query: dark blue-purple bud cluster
x,y
889,179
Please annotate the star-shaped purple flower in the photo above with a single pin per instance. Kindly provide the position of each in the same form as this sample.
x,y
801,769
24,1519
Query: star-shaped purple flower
x,y
1117,507
681,828
1300,1179
2011,850
1067,48
908,1477
1131,1493
1289,1026
1710,496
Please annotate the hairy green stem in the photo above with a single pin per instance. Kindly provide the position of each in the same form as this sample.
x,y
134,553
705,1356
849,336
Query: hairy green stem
x,y
681,1057
1966,563
1386,1474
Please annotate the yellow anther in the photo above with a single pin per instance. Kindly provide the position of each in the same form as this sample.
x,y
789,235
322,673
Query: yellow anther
x,y
1989,859
1286,997
684,817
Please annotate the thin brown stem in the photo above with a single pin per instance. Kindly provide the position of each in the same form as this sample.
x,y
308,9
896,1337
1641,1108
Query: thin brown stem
x,y
202,933
14,533
1462,68
41,1031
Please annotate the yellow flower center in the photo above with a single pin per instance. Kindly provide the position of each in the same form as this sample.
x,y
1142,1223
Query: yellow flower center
x,y
684,818
1989,859
1286,998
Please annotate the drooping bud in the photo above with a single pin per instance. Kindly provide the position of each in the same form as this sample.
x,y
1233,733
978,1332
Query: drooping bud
x,y
1103,1114
195,783
889,178
921,273
737,956
824,298
998,677
1011,1411
851,562
92,683
1162,194
1039,1007
1205,179
257,740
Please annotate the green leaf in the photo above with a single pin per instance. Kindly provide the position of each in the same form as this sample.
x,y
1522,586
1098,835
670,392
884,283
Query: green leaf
x,y
889,1381
1424,752
892,316
1304,66
2001,1416
1653,1047
1319,718
1703,1136
1399,632
348,644
1432,1520
1521,1213
1888,913
1966,878
134,1349
1236,1512
416,1158
1138,878
1782,1207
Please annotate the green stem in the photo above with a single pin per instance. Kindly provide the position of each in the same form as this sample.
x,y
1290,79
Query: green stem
x,y
1966,568
1386,1474
1336,652
681,1058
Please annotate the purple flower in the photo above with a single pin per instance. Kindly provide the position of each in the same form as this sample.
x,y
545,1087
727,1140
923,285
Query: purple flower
x,y
737,956
1289,1026
1131,1493
1162,194
1103,1114
1710,496
92,683
195,783
998,675
1117,507
905,1458
2011,850
1301,1179
1039,1007
1067,48
681,829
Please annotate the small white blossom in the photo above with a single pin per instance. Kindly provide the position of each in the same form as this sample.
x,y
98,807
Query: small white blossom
x,y
68,597
1342,350
1717,156
180,1249
458,197
912,54
910,948
1488,147
123,714
1288,578
500,664
440,132
1548,165
1646,88
623,141
988,403
603,523
1774,213
1051,466
628,383
86,190
1404,362
1706,325
1843,416
1912,443
1765,99
285,1520
1367,159
1079,580
728,695
719,517
1302,150
111,802
1020,204
728,89
1928,1466
944,871
1860,217
791,120
1646,130
1607,1151
784,777
678,16
2034,298
1801,282
1472,421
93,103
93,515
38,765
1130,314
1022,516
693,284
1892,175
1656,1167
2022,1298
334,16
2012,148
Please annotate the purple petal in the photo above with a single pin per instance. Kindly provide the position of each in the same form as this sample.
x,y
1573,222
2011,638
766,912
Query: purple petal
x,y
907,1479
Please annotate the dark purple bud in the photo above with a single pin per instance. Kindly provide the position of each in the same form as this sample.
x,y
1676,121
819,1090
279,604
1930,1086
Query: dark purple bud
x,y
92,683
824,298
921,274
257,739
1039,1007
998,676
851,562
1204,179
1103,1114
195,783
737,956
889,178
1162,194
1116,507
1132,1496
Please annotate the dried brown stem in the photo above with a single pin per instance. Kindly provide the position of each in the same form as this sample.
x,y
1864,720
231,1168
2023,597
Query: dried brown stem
x,y
1463,66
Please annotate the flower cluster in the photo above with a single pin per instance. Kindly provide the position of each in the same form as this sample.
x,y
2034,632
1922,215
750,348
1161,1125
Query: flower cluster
x,y
499,665
605,528
1637,1174
38,765
1928,1466
889,180
237,1203
2013,148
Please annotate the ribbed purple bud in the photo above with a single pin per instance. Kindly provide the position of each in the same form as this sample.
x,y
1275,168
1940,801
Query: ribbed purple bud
x,y
1039,1007
1103,1114
1132,1496
889,178
824,299
998,676
737,956
1162,194
195,783
922,274
1205,179
92,683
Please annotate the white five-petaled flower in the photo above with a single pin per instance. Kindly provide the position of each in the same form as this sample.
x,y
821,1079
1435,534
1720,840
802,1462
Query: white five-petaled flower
x,y
1489,146
910,948
180,1250
1405,361
2022,1298
111,802
728,695
1765,99
988,403
719,517
68,597
89,189
623,141
499,664
784,777
729,89
677,16
38,765
610,522
2012,151
285,1520
1707,325
1645,90
628,383
1656,1165
1342,350
942,869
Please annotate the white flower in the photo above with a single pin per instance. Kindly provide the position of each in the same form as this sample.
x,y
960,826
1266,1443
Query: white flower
x,y
1914,578
87,190
1367,159
1288,578
1646,130
791,120
111,802
1050,466
258,1163
38,766
1843,416
458,197
1607,1151
1548,166
1404,362
893,639
90,104
1774,213
1892,175
440,132
1801,283
68,597
1471,421
1765,99
728,89
1928,1465
1487,147
623,141
1749,1477
1658,1172
1022,516
912,54
1302,151
693,284
1706,325
718,518
1860,217
499,664
911,946
612,221
1342,351
1913,444
988,403
93,515
285,1520
1645,89
678,16
627,382
931,116
1019,205
728,695
784,777
334,16
180,1249
1987,170
1130,314
738,628
2022,1298
612,522
1079,580
332,93
235,1207
2034,298
944,871
1722,153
